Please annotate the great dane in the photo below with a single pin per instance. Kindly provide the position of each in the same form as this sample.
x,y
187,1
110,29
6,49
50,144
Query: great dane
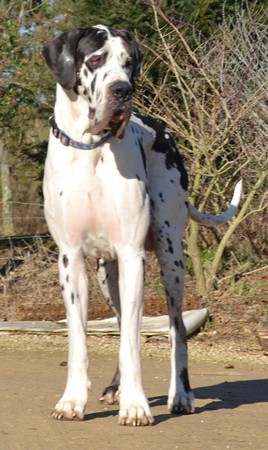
x,y
114,186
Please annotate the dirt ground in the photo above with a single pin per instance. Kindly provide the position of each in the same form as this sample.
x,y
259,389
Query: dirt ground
x,y
228,368
230,385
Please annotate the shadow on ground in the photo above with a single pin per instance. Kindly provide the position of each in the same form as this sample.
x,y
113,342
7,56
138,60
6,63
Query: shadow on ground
x,y
226,395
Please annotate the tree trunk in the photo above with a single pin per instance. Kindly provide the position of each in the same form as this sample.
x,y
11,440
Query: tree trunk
x,y
194,251
6,193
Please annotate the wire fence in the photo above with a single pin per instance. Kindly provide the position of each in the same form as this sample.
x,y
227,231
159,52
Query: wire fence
x,y
22,218
29,282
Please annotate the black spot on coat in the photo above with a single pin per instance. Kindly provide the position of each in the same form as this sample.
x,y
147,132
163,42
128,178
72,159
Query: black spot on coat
x,y
65,260
168,148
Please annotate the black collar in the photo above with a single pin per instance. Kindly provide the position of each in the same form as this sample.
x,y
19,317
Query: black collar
x,y
68,142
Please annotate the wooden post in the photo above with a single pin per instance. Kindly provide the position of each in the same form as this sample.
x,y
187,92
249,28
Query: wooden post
x,y
6,192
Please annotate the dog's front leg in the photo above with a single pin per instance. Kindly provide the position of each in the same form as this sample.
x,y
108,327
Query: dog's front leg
x,y
134,408
74,285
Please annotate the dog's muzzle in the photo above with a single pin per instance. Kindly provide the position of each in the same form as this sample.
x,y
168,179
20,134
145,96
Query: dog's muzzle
x,y
122,91
118,110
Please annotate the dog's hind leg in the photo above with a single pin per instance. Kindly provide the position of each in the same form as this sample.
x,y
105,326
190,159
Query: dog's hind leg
x,y
107,273
169,210
170,255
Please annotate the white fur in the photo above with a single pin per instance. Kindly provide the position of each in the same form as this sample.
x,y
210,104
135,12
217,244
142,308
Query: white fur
x,y
97,203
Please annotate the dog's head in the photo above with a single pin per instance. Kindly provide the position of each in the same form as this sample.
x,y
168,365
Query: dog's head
x,y
100,64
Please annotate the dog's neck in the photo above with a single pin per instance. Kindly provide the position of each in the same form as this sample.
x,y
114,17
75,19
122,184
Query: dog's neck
x,y
72,116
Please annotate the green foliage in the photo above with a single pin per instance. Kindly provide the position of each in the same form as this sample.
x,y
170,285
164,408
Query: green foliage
x,y
132,15
189,265
207,15
203,15
22,68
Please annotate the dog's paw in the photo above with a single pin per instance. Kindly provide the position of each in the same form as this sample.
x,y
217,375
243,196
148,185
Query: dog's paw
x,y
69,410
110,395
181,403
135,415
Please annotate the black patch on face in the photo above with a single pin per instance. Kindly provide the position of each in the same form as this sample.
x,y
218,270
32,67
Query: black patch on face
x,y
93,83
66,54
65,261
161,197
96,61
168,148
92,112
133,50
185,380
93,40
167,223
89,66
85,72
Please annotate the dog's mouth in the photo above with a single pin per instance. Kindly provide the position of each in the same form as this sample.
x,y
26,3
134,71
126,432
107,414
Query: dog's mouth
x,y
118,117
118,123
115,122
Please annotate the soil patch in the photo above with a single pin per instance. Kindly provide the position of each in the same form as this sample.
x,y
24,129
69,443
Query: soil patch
x,y
231,398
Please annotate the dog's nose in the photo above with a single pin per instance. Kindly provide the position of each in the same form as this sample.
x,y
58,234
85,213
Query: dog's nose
x,y
122,90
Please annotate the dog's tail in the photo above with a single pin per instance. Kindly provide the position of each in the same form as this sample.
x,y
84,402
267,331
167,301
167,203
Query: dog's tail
x,y
218,219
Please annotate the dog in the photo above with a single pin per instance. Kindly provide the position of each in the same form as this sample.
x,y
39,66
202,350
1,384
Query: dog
x,y
115,186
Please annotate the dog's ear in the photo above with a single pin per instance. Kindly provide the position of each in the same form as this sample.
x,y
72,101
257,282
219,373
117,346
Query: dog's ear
x,y
59,55
136,52
138,57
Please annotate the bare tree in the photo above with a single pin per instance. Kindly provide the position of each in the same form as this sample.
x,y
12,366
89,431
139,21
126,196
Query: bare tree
x,y
213,96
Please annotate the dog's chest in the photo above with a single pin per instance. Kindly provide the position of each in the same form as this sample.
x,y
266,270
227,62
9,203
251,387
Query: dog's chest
x,y
97,201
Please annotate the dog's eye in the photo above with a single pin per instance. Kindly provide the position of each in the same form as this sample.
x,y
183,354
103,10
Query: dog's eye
x,y
129,64
95,61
